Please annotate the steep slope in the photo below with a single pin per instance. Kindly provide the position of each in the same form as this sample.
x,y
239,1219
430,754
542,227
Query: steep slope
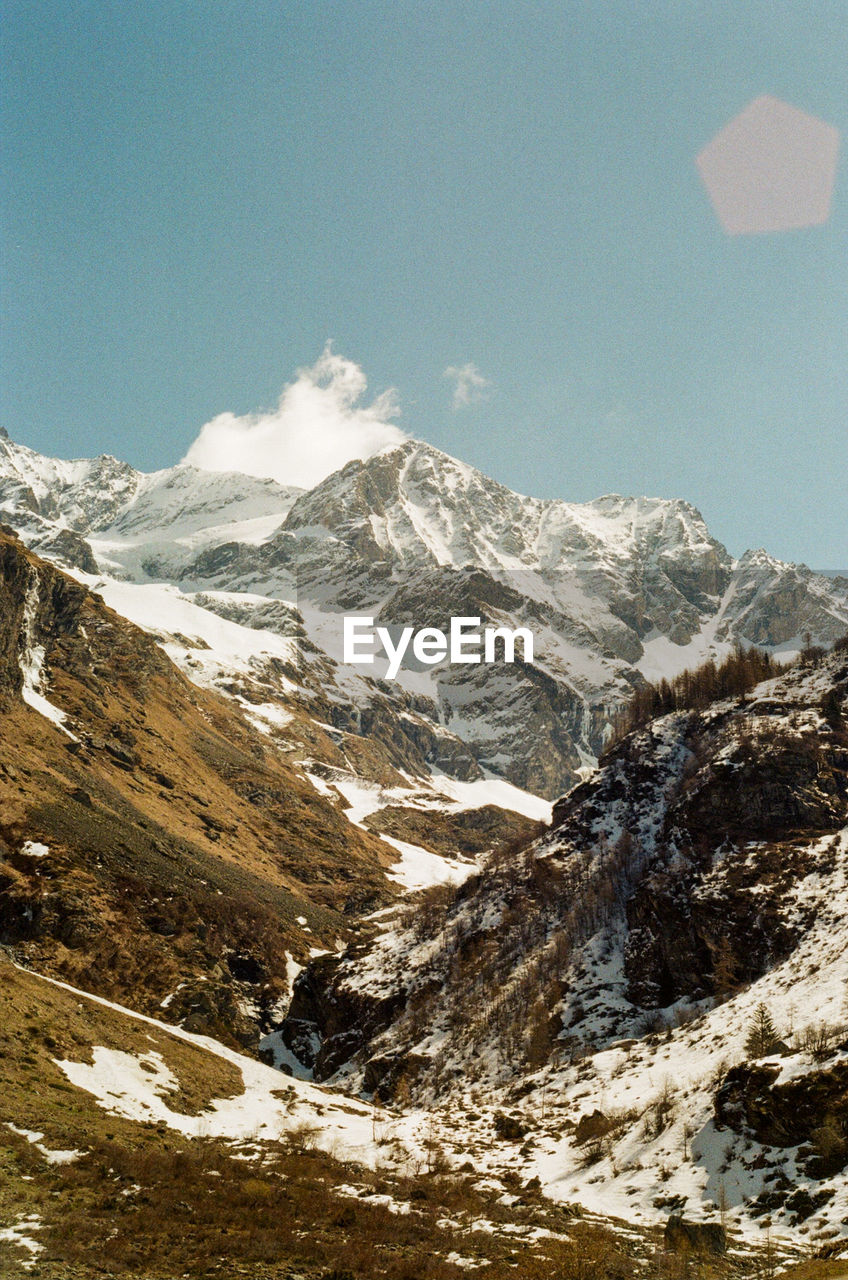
x,y
151,839
173,847
613,590
584,1001
180,1155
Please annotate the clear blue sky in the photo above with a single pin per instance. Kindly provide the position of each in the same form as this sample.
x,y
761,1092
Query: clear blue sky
x,y
198,195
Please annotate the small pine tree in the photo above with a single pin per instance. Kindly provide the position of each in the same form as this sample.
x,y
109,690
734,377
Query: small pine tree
x,y
723,1203
762,1034
831,709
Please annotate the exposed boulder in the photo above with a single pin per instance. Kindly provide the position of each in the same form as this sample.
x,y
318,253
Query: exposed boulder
x,y
699,1238
810,1111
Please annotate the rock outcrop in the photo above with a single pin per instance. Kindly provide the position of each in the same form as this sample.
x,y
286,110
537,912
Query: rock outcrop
x,y
698,1238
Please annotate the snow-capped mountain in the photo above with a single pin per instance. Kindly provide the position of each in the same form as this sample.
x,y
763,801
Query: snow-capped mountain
x,y
177,826
613,590
120,519
564,1012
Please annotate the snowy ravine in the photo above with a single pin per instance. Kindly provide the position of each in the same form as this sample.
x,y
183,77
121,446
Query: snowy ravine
x,y
271,1105
527,1009
32,663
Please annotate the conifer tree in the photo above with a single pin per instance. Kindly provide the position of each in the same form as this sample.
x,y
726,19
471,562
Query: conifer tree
x,y
762,1034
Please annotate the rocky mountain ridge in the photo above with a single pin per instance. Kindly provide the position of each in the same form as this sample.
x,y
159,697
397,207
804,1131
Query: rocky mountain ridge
x,y
614,590
591,998
197,796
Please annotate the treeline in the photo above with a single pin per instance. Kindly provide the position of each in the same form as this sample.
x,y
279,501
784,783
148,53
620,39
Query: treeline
x,y
695,689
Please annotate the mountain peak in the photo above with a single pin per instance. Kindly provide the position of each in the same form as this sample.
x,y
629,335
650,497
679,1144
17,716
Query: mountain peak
x,y
614,590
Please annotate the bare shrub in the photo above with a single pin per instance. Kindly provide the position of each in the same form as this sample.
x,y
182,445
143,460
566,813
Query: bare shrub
x,y
660,1111
819,1039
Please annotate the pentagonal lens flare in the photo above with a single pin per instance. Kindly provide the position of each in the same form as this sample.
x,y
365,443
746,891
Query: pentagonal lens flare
x,y
771,168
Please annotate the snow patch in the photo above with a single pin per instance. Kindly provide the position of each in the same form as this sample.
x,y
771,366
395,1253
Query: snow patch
x,y
32,849
51,1156
19,1234
32,663
419,868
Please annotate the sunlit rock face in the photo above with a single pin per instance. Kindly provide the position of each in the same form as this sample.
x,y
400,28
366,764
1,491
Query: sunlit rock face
x,y
614,591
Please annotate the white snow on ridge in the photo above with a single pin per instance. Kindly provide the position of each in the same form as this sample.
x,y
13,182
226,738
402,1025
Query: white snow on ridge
x,y
177,513
491,790
49,477
203,644
130,517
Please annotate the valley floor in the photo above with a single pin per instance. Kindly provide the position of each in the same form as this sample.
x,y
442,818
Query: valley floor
x,y
133,1148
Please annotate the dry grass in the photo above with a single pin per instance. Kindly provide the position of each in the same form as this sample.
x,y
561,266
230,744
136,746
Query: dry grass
x,y
818,1269
168,805
147,1202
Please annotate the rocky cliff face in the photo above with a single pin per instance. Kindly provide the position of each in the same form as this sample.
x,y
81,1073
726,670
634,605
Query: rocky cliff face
x,y
612,590
590,996
682,857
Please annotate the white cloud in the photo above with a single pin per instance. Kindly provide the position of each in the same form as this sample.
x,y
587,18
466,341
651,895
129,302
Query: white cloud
x,y
469,384
317,427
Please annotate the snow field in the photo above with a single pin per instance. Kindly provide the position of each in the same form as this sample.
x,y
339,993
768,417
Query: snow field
x,y
272,1105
